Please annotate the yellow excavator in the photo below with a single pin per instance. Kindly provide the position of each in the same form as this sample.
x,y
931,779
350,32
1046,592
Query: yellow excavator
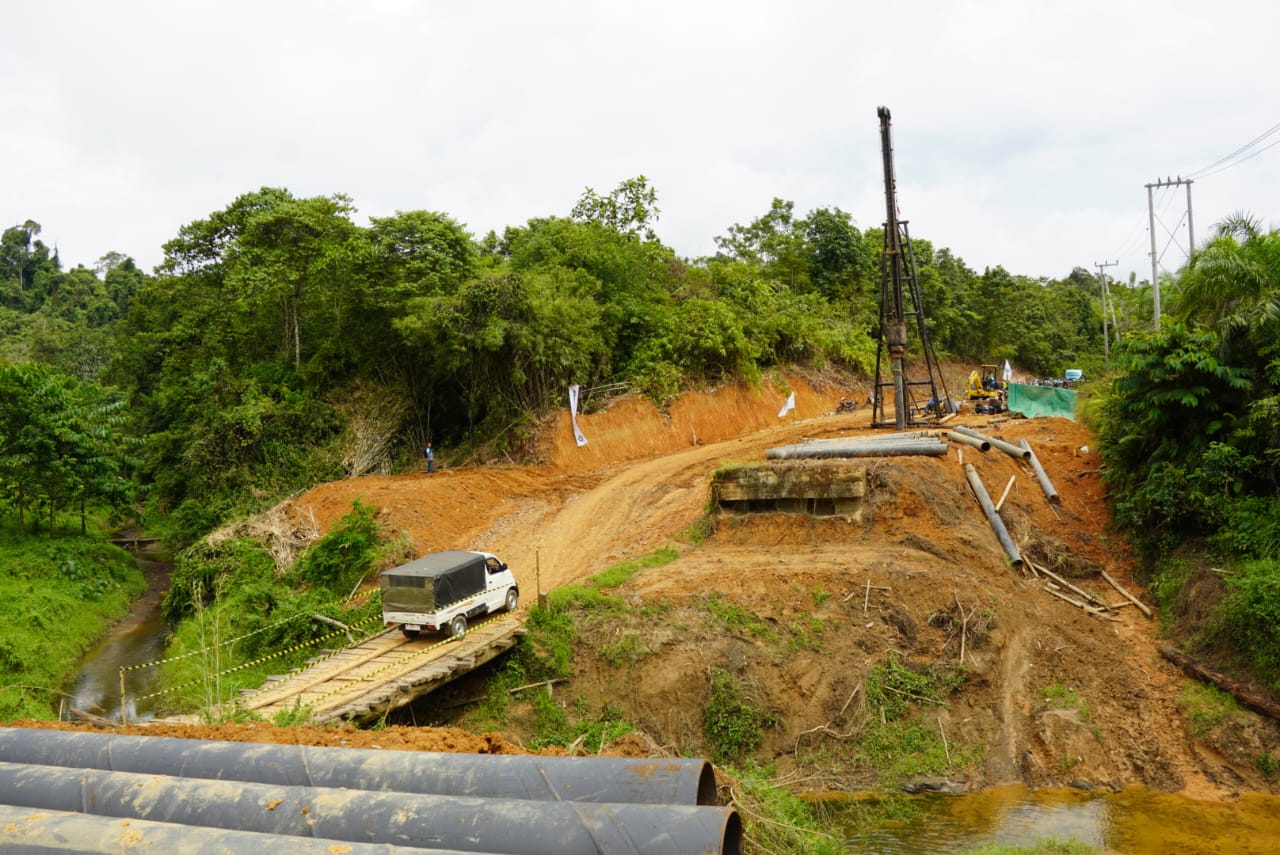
x,y
986,392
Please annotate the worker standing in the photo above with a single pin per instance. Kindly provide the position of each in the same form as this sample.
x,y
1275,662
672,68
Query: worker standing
x,y
430,454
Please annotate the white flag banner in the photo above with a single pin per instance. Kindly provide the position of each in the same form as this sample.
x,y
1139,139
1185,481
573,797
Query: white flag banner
x,y
573,416
788,406
1008,371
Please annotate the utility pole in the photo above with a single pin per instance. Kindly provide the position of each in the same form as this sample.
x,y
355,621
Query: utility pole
x,y
1106,337
1155,258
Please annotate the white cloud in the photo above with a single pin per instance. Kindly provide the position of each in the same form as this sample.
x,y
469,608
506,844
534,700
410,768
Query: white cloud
x,y
1024,132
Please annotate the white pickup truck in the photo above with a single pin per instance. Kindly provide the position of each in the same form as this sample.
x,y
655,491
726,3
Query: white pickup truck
x,y
443,590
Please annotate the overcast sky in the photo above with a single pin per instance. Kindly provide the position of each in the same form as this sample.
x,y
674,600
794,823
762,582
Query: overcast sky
x,y
1024,132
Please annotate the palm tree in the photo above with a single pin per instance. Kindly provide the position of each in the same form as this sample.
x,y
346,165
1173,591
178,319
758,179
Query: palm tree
x,y
1233,287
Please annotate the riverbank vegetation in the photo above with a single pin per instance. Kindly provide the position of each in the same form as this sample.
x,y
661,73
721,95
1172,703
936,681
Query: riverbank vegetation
x,y
56,598
1190,431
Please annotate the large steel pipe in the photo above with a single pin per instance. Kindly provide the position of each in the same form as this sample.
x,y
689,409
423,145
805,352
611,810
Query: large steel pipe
x,y
993,516
1043,477
1007,447
404,819
64,833
589,779
874,448
971,441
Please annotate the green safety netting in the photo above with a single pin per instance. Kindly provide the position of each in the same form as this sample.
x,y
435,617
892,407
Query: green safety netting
x,y
1034,401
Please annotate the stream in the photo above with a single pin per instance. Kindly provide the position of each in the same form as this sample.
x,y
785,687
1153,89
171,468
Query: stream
x,y
1135,821
136,640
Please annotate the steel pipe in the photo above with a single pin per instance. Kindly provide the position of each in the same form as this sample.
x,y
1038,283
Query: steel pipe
x,y
1041,475
1007,447
993,517
925,446
404,819
505,776
971,441
65,833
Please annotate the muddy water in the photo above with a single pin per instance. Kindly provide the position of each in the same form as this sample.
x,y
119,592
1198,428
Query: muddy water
x,y
137,640
1134,821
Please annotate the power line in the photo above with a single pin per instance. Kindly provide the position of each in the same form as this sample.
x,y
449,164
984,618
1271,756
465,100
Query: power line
x,y
1241,160
1212,169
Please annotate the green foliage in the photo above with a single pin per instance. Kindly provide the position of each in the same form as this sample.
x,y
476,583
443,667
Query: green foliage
x,y
1248,618
893,688
56,599
589,595
296,715
347,554
1206,707
897,744
626,651
732,721
775,819
61,445
553,725
736,618
240,620
547,651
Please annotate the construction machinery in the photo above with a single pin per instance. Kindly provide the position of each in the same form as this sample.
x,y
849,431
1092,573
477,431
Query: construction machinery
x,y
986,393
917,392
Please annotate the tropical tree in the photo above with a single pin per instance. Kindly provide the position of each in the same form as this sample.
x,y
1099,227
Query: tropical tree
x,y
1232,285
631,208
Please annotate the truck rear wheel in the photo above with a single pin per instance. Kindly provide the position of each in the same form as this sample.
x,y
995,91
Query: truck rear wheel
x,y
458,625
513,599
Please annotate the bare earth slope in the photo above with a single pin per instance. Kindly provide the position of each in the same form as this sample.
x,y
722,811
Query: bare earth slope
x,y
1053,695
926,551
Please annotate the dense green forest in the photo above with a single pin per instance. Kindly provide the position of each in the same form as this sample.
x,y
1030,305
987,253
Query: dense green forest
x,y
280,344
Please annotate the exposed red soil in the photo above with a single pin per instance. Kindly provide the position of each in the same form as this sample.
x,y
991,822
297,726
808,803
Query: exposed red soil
x,y
898,584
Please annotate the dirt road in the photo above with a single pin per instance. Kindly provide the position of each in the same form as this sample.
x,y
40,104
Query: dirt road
x,y
1053,695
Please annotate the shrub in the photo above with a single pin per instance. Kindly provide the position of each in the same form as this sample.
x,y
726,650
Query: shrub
x,y
732,723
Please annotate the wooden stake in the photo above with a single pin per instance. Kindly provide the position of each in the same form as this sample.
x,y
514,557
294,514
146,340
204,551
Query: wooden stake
x,y
1130,597
1005,494
945,749
1070,587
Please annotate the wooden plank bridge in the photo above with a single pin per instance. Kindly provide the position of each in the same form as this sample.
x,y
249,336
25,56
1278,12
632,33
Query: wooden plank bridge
x,y
365,681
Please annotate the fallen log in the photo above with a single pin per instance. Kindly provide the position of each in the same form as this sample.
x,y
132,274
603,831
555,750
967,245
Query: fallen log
x,y
1238,690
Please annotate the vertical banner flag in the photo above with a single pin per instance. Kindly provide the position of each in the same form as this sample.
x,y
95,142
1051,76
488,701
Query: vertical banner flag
x,y
788,406
573,416
1008,371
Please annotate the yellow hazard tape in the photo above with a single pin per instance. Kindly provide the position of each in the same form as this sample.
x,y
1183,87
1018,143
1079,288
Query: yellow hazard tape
x,y
191,653
401,660
244,665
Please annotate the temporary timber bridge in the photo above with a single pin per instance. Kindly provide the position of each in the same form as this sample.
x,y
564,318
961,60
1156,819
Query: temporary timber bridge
x,y
365,681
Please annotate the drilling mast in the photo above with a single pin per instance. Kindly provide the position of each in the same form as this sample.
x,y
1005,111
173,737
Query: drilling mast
x,y
897,277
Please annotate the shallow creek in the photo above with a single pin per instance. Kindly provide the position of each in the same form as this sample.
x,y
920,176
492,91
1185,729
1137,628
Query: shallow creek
x,y
1135,821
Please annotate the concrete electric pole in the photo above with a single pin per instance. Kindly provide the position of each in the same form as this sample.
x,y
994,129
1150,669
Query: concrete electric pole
x,y
1155,257
1106,337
